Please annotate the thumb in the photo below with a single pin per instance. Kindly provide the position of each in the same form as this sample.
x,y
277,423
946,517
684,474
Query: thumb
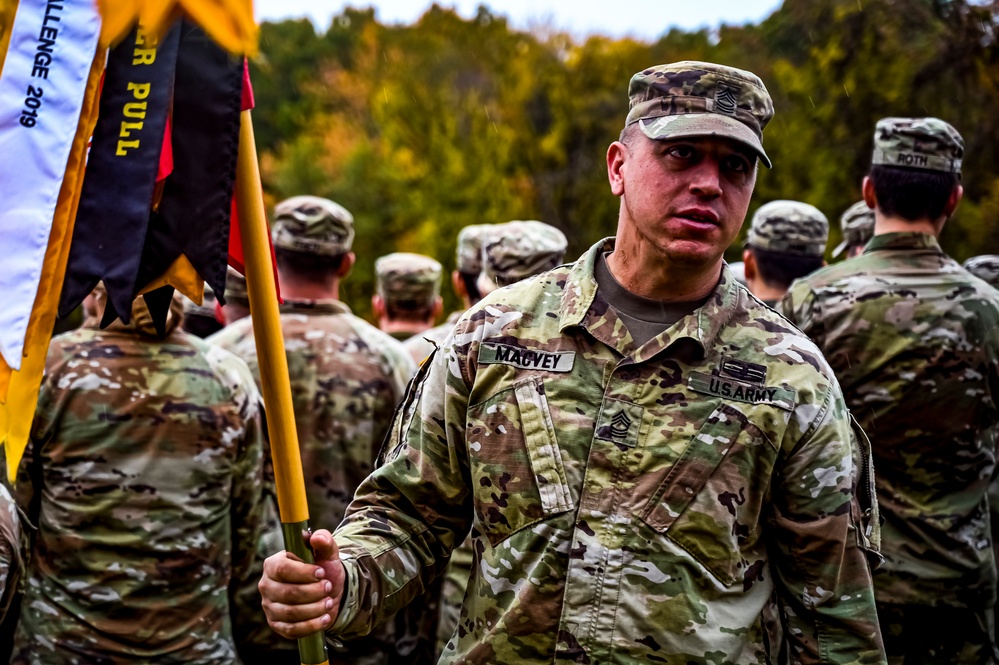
x,y
323,546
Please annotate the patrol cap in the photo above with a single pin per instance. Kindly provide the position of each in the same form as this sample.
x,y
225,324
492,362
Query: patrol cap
x,y
235,288
313,225
404,276
858,227
789,227
519,249
918,143
985,267
690,99
468,257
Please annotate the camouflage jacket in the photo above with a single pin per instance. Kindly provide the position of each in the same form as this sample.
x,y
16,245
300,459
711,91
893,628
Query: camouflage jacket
x,y
422,344
626,504
346,379
914,341
143,475
10,549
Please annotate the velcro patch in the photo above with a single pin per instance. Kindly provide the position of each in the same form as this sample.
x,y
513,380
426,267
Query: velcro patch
x,y
719,386
548,361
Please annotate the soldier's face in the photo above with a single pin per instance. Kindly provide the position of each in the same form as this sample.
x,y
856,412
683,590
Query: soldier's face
x,y
686,199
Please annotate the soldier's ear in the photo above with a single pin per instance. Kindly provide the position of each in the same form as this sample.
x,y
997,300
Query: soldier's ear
x,y
616,155
458,283
346,265
867,191
378,306
749,262
953,201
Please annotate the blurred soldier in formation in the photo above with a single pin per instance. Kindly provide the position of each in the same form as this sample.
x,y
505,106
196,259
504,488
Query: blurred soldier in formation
x,y
346,379
10,550
464,279
237,300
985,267
647,457
143,475
914,340
514,248
857,224
202,320
786,240
407,297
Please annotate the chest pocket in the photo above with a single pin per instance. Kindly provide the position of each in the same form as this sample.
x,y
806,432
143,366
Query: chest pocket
x,y
518,477
710,502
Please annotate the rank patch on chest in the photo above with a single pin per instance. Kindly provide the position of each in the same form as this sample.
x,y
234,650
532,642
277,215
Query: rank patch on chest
x,y
547,361
740,370
740,391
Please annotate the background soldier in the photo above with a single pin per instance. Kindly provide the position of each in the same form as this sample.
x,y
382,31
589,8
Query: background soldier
x,y
913,340
201,320
464,279
346,379
985,267
237,300
10,551
647,456
786,240
143,475
407,300
857,224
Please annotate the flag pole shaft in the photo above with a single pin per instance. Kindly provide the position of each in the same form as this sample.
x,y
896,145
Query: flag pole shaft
x,y
273,363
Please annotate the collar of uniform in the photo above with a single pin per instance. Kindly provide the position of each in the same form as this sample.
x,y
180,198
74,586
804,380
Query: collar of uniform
x,y
702,326
330,306
902,240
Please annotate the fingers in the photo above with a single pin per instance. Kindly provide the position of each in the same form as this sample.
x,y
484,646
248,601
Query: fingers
x,y
296,614
293,594
293,631
286,568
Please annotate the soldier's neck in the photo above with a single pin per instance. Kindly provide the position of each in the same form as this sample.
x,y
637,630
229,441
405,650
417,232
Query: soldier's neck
x,y
886,224
296,289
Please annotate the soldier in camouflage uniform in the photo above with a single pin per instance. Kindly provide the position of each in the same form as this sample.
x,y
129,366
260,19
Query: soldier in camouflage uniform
x,y
237,300
407,297
647,457
511,250
985,268
346,379
143,475
201,320
913,340
10,550
857,224
464,278
786,240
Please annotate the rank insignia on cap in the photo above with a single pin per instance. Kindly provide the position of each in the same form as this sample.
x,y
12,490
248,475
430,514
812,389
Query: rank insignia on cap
x,y
726,98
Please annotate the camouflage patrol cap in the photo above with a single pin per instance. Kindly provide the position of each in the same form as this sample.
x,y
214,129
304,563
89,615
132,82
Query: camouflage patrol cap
x,y
918,143
235,288
689,99
469,253
789,227
516,250
858,227
985,267
408,277
313,225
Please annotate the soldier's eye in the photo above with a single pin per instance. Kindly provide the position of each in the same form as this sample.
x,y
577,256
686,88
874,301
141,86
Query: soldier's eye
x,y
737,164
681,152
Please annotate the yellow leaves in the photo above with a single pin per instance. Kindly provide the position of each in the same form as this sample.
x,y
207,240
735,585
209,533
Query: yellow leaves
x,y
229,22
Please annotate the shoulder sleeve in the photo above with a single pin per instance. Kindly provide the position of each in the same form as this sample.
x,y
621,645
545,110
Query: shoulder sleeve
x,y
798,306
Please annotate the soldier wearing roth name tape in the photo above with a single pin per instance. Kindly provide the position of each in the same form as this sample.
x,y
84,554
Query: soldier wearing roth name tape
x,y
857,224
786,240
407,297
914,341
464,279
648,459
346,379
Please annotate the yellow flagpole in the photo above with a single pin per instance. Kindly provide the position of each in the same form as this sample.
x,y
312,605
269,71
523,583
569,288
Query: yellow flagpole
x,y
276,387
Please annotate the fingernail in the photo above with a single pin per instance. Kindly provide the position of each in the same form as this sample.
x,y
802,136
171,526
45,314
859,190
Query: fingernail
x,y
328,587
320,573
325,620
329,603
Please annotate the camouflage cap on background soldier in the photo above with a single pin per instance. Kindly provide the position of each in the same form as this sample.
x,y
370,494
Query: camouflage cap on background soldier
x,y
789,227
235,288
689,99
468,254
519,249
918,143
857,224
313,225
986,268
408,277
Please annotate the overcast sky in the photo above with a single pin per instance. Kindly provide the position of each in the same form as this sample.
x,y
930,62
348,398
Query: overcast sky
x,y
646,19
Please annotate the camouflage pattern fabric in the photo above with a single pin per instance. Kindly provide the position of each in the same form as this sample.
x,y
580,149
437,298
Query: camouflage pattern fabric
x,y
409,277
945,635
857,224
144,477
468,254
789,227
985,268
346,379
235,288
691,99
912,338
421,345
625,504
312,225
11,564
515,250
929,144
